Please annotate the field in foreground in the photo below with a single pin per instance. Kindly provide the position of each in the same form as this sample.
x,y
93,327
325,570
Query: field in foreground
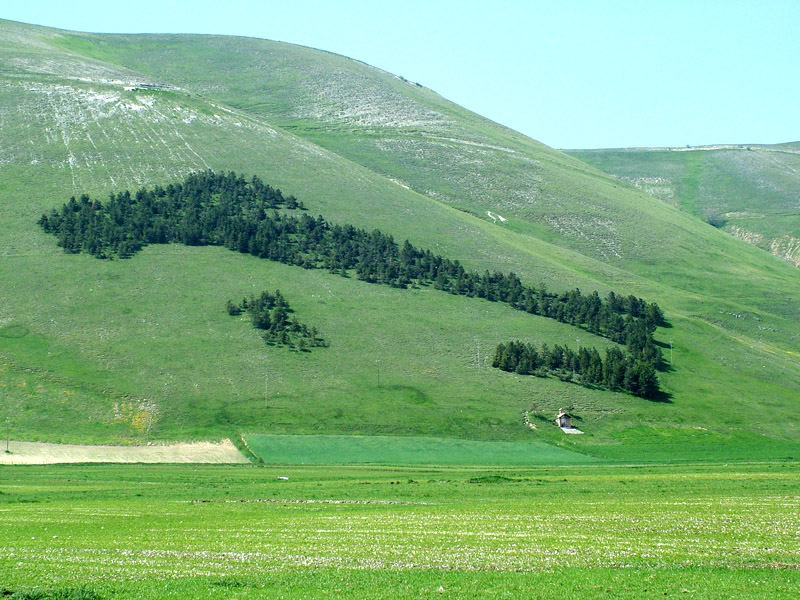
x,y
382,532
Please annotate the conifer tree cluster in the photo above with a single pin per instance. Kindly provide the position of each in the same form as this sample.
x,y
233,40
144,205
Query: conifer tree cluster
x,y
206,209
617,371
248,216
272,314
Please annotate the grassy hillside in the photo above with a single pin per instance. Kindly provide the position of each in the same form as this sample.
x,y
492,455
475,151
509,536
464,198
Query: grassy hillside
x,y
91,350
440,150
752,191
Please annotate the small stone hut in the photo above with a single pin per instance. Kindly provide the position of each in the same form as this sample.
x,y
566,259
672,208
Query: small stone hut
x,y
563,419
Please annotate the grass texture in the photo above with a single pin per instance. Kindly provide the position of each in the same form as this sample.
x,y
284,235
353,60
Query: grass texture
x,y
376,532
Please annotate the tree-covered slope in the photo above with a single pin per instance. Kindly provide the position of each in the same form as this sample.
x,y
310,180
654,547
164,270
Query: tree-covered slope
x,y
92,350
750,191
449,154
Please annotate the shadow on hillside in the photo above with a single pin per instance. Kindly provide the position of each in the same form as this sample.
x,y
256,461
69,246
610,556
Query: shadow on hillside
x,y
663,366
661,396
411,394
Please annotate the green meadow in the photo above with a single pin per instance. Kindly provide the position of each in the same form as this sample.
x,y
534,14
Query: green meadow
x,y
395,450
664,445
110,531
400,463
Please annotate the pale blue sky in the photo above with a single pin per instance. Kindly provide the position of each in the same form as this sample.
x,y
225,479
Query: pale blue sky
x,y
572,74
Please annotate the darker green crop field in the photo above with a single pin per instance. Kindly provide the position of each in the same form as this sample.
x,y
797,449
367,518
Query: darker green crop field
x,y
136,531
332,449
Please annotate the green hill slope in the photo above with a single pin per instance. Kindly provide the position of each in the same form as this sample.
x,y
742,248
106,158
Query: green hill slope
x,y
752,192
438,149
96,350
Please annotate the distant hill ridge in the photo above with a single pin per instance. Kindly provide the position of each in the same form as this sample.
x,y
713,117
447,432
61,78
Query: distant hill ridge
x,y
752,191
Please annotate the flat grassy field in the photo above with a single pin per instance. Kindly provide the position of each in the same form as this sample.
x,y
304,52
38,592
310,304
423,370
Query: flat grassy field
x,y
143,531
642,445
396,450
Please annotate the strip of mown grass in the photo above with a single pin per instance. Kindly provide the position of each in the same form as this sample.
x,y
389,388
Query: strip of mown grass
x,y
389,532
397,450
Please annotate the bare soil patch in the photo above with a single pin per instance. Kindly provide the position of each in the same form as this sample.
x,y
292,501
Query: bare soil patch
x,y
41,453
